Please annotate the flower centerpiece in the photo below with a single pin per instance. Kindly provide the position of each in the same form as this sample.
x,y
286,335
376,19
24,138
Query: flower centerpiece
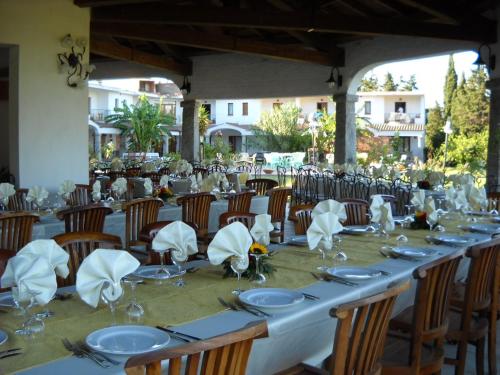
x,y
164,193
420,221
251,272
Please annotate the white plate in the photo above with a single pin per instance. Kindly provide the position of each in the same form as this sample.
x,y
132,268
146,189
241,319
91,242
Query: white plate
x,y
496,219
478,213
452,239
414,252
354,273
271,298
127,339
298,240
355,229
3,337
482,228
7,301
150,272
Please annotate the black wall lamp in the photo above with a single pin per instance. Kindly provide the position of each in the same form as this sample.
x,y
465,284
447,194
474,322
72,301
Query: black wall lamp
x,y
71,61
186,86
332,82
488,60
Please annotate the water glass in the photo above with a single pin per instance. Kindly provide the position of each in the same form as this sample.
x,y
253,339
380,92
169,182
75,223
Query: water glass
x,y
162,272
238,265
180,270
32,326
134,310
111,295
260,278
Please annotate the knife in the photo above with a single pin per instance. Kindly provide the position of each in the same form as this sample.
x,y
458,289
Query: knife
x,y
183,336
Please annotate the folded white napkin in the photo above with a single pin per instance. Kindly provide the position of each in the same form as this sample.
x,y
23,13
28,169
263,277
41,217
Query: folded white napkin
x,y
96,191
418,200
178,237
330,205
37,194
6,191
30,273
478,199
119,186
102,267
148,186
164,180
461,202
430,209
232,240
322,228
66,188
382,213
451,195
50,250
194,182
260,230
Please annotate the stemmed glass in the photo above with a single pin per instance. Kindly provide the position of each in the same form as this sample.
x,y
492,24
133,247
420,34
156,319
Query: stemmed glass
x,y
179,262
324,246
431,221
32,325
238,265
401,240
162,272
111,293
134,310
493,205
260,278
340,256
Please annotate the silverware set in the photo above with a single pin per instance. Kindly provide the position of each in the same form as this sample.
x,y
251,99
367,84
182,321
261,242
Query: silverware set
x,y
330,278
10,352
179,335
81,350
241,307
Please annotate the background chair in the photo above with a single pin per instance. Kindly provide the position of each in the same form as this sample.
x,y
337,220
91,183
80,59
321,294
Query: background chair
x,y
138,214
246,218
240,201
357,212
195,211
261,185
81,196
16,230
278,199
300,227
17,202
84,218
5,255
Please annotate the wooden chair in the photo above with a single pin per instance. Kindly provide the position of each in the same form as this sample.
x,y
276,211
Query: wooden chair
x,y
79,245
278,199
203,171
225,354
195,210
133,172
17,202
300,227
154,176
138,214
359,337
261,185
357,212
474,308
16,229
113,175
82,195
216,168
5,255
84,218
246,218
418,346
240,201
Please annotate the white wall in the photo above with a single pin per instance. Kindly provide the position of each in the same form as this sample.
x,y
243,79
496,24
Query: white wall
x,y
51,118
385,104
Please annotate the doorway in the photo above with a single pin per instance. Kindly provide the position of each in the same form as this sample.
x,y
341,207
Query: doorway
x,y
400,107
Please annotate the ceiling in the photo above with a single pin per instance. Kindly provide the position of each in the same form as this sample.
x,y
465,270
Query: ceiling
x,y
167,34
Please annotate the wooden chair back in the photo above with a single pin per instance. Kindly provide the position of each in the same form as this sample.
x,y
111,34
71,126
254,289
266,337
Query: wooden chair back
x,y
246,218
292,216
278,199
261,185
113,175
79,245
17,202
16,229
240,201
357,212
88,218
5,255
195,210
203,171
304,220
225,354
138,214
82,195
133,172
361,332
154,176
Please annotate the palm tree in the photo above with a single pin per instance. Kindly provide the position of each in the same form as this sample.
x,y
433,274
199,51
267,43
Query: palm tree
x,y
144,124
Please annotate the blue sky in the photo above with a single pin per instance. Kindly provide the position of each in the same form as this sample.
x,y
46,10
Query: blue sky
x,y
430,73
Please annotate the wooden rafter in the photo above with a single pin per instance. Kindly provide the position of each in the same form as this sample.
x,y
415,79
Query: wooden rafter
x,y
176,36
117,51
436,9
101,3
484,31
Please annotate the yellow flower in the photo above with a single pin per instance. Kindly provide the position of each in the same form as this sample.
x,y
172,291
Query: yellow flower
x,y
258,248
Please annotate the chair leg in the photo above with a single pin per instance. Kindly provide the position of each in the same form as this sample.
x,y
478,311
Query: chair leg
x,y
461,357
492,342
480,356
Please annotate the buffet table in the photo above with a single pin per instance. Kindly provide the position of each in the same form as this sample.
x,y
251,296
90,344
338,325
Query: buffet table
x,y
303,332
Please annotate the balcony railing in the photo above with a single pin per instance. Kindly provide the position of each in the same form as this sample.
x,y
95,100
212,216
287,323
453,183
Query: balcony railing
x,y
99,114
404,118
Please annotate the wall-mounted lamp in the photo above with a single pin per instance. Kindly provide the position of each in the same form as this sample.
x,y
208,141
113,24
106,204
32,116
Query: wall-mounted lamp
x,y
488,60
71,62
332,82
186,86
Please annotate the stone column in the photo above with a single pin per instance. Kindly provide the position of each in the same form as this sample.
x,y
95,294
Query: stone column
x,y
97,144
493,159
345,133
165,144
190,148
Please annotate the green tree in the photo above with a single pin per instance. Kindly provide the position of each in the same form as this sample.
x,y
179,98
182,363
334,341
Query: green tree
x,y
434,134
143,123
389,84
450,87
203,120
369,84
467,151
326,134
408,85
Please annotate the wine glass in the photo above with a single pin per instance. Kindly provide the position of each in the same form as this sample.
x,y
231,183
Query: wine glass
x,y
260,278
401,240
324,246
431,220
179,259
33,325
162,272
111,293
239,265
134,310
340,256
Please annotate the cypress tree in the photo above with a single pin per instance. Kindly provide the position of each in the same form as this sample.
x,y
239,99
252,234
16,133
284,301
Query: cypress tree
x,y
389,84
450,87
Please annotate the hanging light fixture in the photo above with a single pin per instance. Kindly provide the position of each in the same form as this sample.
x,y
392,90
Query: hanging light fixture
x,y
331,81
71,62
186,86
490,61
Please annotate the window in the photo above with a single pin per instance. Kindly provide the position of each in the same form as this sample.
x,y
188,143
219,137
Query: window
x,y
230,109
147,86
244,109
277,105
322,106
368,107
117,103
400,107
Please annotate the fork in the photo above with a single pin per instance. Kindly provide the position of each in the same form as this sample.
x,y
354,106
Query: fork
x,y
84,347
80,353
240,307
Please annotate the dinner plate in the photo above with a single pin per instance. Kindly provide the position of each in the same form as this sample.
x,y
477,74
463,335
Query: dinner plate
x,y
451,239
127,339
478,213
496,219
151,272
3,337
413,252
298,240
7,301
271,298
354,273
356,229
482,228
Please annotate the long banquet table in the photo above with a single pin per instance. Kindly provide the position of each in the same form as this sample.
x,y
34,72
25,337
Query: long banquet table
x,y
302,333
50,226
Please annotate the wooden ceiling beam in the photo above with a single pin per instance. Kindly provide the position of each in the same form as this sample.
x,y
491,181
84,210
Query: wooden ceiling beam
x,y
217,42
102,3
436,9
484,31
119,52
